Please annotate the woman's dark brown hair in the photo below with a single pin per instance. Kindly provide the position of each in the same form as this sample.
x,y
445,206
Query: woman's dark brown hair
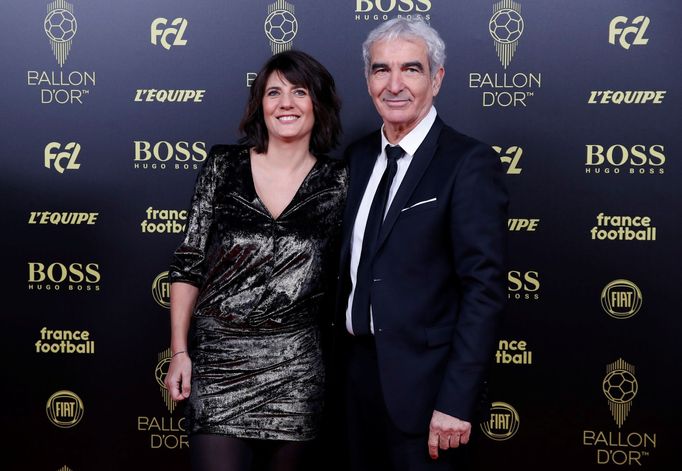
x,y
300,70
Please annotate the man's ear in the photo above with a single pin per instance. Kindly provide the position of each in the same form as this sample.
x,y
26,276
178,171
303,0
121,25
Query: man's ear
x,y
437,80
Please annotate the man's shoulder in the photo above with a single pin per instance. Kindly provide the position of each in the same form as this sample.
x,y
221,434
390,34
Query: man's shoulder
x,y
370,140
450,137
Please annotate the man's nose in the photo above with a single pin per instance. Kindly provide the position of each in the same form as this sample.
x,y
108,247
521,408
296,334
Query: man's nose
x,y
395,82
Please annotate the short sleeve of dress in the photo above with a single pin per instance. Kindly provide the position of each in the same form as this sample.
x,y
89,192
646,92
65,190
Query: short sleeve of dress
x,y
189,260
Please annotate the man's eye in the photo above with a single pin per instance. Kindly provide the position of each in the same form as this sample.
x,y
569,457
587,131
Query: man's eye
x,y
412,70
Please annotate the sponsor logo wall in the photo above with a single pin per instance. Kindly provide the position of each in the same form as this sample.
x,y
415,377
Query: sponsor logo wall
x,y
110,112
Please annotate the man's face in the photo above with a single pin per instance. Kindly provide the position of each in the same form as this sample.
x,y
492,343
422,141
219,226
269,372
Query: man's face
x,y
400,83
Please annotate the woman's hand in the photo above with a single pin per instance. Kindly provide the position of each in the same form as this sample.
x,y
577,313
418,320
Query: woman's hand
x,y
179,376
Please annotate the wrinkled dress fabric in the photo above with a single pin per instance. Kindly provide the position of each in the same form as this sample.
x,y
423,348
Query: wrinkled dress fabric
x,y
257,368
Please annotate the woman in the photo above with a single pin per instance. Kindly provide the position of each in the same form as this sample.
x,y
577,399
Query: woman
x,y
248,282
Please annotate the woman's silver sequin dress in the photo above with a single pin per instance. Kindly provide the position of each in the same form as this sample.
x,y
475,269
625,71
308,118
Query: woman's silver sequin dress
x,y
257,368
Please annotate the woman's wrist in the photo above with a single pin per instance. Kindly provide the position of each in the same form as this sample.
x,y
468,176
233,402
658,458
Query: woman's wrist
x,y
178,353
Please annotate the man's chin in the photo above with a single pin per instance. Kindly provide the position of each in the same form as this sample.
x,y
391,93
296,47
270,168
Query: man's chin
x,y
395,114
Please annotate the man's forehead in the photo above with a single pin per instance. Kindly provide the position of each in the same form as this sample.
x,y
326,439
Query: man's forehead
x,y
384,49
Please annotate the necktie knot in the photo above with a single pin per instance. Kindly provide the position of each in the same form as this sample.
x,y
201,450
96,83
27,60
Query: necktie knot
x,y
393,153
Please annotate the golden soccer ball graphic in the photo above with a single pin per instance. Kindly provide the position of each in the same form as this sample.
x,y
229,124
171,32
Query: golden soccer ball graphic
x,y
60,25
281,26
161,371
620,386
506,26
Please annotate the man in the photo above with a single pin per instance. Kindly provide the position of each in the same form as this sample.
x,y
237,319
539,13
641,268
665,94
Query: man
x,y
422,264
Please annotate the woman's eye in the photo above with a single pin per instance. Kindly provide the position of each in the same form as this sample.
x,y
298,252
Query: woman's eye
x,y
300,92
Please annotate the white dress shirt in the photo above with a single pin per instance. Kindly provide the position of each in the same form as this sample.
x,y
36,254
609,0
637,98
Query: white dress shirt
x,y
410,143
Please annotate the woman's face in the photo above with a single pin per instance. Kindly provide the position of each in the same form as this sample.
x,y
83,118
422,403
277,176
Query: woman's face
x,y
287,110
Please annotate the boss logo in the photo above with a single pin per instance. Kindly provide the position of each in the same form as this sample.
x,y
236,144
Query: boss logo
x,y
175,31
163,151
618,155
523,285
62,159
59,273
385,6
634,159
526,281
638,29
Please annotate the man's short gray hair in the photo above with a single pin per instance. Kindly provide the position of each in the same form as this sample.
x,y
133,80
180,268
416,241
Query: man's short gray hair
x,y
402,28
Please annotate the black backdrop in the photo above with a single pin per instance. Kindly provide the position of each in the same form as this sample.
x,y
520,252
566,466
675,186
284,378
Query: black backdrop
x,y
97,170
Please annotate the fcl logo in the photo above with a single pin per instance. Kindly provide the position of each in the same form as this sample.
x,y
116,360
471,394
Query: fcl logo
x,y
638,28
176,30
70,154
510,157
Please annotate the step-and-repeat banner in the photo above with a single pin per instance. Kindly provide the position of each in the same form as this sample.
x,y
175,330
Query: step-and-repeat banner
x,y
108,109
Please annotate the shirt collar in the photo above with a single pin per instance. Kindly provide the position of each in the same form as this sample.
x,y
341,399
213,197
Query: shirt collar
x,y
411,142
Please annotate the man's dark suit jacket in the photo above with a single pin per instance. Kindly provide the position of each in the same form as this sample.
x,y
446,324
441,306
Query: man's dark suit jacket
x,y
439,274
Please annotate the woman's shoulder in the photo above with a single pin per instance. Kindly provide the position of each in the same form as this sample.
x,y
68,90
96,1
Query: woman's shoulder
x,y
332,164
225,151
223,156
333,170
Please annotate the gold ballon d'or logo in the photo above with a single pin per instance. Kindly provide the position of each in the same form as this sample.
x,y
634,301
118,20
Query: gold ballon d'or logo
x,y
506,27
160,373
64,409
620,388
621,299
161,290
503,423
280,26
60,27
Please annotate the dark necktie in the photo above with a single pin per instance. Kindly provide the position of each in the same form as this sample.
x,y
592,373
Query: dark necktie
x,y
361,299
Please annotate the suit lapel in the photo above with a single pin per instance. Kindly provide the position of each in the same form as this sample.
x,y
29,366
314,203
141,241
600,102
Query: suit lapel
x,y
360,171
420,162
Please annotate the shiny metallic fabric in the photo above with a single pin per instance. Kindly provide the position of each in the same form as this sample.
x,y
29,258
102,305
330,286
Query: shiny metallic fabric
x,y
255,339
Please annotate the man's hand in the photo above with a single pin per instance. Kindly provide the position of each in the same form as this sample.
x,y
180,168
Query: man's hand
x,y
446,431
